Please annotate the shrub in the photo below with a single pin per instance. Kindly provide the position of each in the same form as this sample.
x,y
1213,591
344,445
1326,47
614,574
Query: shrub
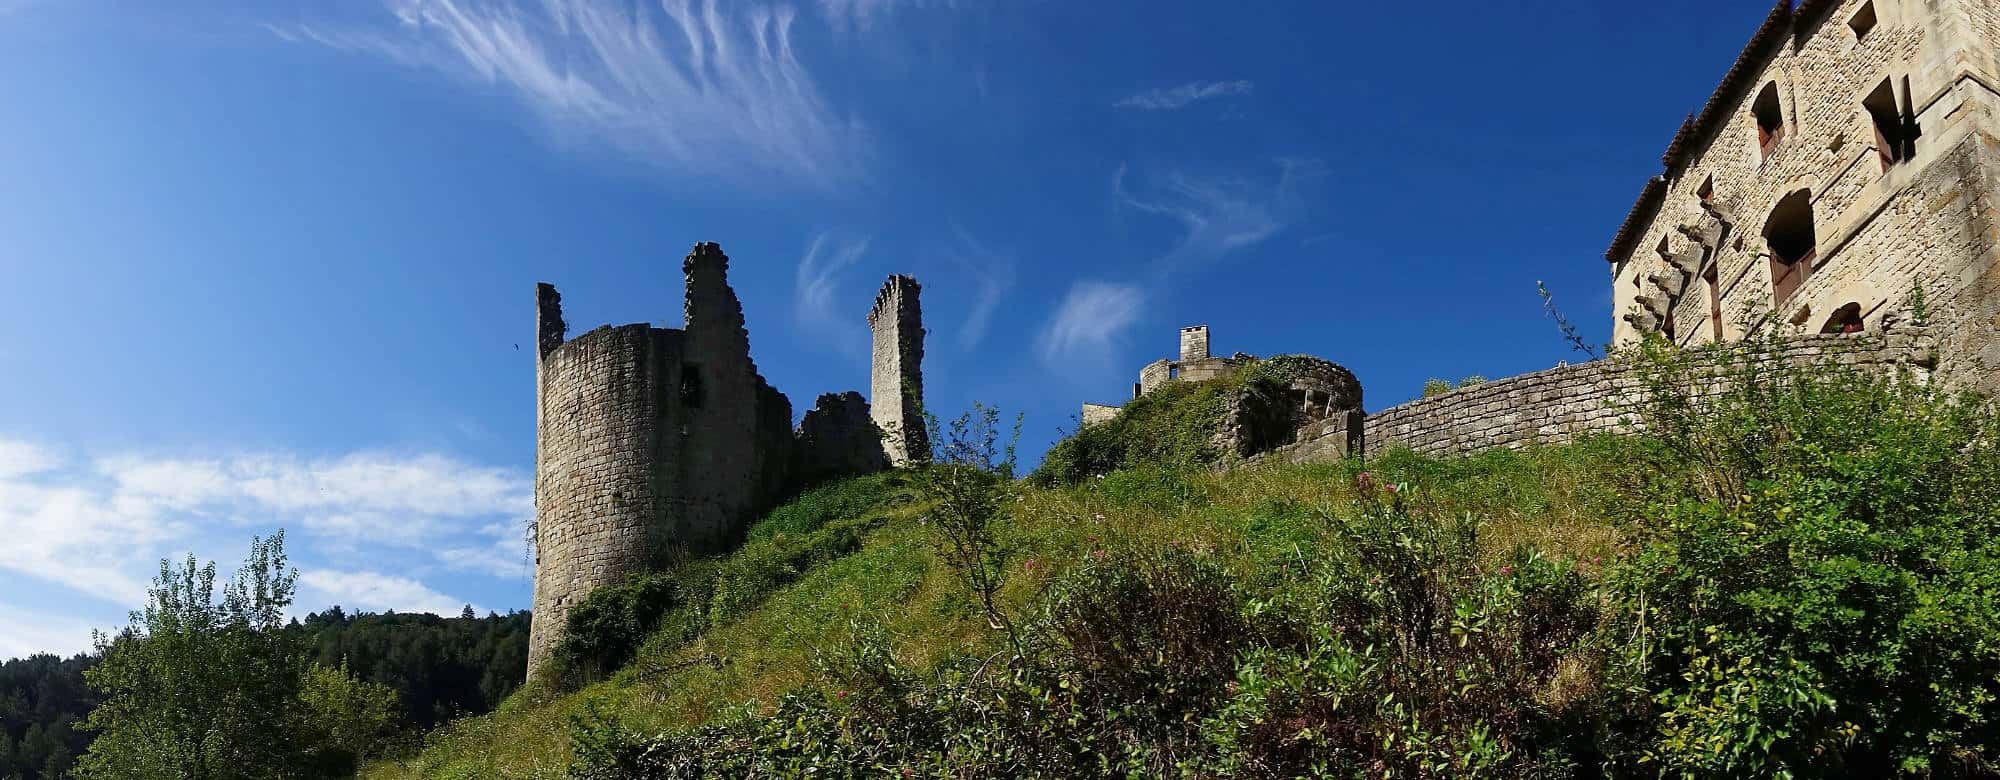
x,y
1434,387
1403,658
1815,587
603,630
1171,427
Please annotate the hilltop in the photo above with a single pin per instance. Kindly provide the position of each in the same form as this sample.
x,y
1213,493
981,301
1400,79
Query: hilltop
x,y
1793,572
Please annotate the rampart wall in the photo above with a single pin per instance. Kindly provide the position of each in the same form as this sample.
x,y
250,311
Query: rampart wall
x,y
1561,404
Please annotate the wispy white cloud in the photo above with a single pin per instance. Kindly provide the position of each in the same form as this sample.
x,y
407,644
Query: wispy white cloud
x,y
1218,214
1168,98
816,300
992,277
375,592
1090,320
861,14
699,87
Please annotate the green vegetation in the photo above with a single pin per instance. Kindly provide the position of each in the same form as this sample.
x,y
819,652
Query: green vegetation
x,y
1172,426
439,668
1792,576
672,607
204,689
1436,387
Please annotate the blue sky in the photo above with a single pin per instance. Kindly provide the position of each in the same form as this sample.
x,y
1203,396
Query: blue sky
x,y
270,264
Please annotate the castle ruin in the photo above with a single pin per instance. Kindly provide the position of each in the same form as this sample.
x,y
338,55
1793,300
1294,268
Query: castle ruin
x,y
1845,169
896,378
656,441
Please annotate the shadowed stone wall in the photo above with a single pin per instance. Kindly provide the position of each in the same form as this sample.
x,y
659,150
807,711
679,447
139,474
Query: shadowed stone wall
x,y
895,377
838,438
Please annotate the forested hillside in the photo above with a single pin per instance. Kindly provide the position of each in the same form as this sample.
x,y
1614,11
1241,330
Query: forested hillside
x,y
440,668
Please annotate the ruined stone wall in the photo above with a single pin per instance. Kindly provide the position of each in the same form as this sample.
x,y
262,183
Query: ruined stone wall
x,y
605,450
734,455
1097,413
837,438
648,441
1155,374
1925,221
895,378
1561,404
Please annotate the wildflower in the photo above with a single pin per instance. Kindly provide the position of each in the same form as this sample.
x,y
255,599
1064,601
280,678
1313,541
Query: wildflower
x,y
1596,558
1506,571
1098,554
840,695
1099,517
1365,482
1391,488
924,520
1028,564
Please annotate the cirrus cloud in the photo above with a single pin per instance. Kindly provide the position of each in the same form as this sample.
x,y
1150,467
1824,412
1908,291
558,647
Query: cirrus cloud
x,y
1169,98
698,87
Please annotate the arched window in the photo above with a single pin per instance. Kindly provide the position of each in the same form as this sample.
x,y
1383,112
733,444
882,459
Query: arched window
x,y
1790,234
1770,115
1846,319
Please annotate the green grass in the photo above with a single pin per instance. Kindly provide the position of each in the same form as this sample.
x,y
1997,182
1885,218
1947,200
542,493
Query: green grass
x,y
1255,522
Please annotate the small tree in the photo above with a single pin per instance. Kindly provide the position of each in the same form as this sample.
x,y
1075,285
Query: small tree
x,y
968,481
200,689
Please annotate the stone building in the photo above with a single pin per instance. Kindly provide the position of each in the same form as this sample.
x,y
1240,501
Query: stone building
x,y
1850,156
651,442
1194,365
1320,399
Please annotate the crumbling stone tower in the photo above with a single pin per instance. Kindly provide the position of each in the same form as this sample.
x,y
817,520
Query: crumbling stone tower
x,y
896,377
646,440
1850,155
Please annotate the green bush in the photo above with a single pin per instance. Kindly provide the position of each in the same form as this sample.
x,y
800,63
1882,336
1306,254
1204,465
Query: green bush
x,y
601,632
1401,657
1171,427
1815,589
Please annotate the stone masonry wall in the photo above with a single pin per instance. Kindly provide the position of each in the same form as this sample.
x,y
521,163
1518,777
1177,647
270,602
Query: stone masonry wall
x,y
599,496
728,464
1561,404
648,441
838,437
895,377
1927,222
1194,343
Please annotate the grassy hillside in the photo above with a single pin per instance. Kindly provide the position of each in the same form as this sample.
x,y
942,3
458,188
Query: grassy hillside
x,y
1253,522
1792,577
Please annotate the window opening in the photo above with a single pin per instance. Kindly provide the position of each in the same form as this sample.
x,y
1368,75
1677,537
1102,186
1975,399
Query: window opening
x,y
1792,241
1770,120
